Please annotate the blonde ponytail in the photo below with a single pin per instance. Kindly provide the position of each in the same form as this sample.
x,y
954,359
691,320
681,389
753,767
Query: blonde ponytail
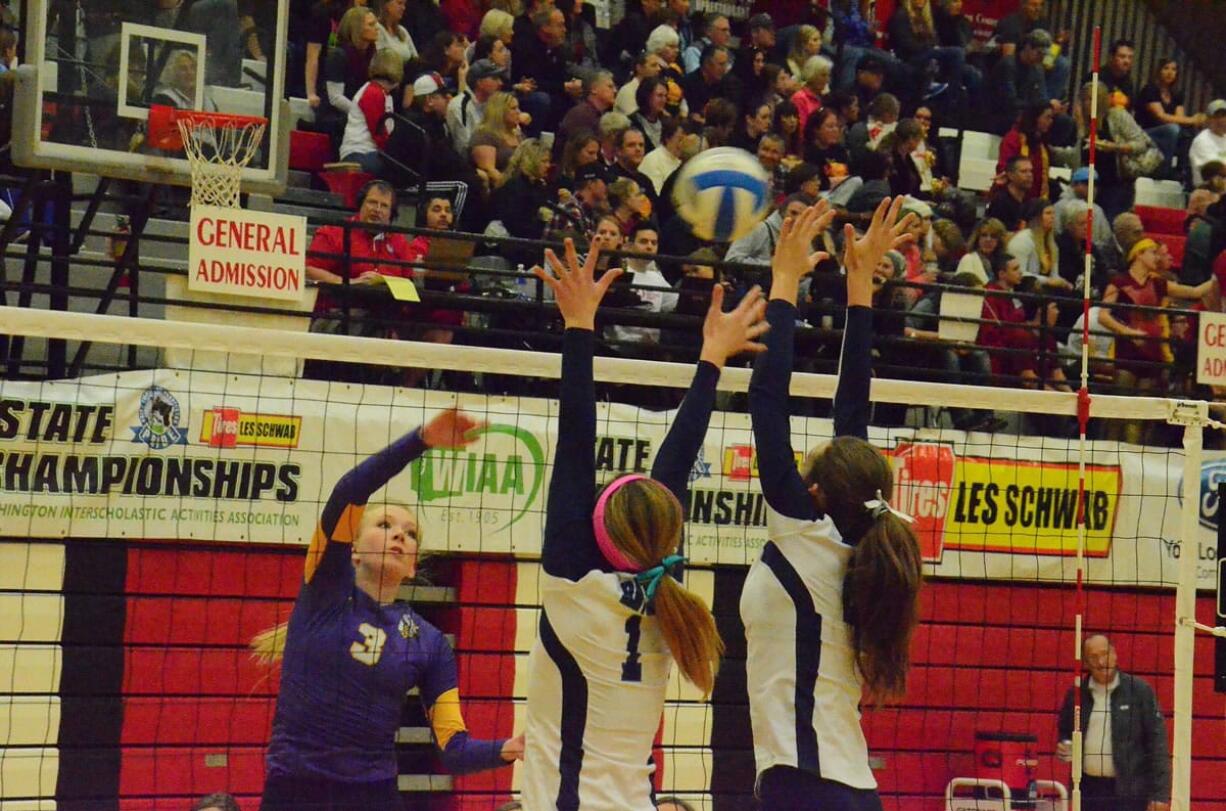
x,y
689,630
268,646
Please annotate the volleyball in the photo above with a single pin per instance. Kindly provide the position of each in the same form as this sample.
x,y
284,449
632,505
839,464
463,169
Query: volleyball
x,y
722,193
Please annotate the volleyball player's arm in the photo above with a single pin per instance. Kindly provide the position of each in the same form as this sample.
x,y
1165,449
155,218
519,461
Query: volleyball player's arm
x,y
851,404
782,485
440,695
328,556
569,548
680,448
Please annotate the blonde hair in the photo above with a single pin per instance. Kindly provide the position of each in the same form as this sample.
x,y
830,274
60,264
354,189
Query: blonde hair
x,y
528,160
495,121
644,519
268,646
921,21
387,64
797,53
349,30
496,23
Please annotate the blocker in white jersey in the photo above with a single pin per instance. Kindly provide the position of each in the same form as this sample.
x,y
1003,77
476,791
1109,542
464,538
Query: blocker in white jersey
x,y
613,610
830,605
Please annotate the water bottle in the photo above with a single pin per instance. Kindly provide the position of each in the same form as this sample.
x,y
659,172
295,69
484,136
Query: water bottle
x,y
521,284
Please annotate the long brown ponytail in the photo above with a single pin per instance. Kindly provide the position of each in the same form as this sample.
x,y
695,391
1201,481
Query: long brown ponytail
x,y
644,519
881,597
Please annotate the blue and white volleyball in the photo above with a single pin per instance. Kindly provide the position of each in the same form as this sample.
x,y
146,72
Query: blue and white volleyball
x,y
722,193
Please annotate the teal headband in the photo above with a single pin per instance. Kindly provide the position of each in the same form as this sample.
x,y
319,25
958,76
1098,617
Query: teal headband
x,y
650,579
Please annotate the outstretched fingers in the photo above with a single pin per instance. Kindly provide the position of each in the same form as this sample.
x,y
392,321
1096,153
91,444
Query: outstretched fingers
x,y
548,278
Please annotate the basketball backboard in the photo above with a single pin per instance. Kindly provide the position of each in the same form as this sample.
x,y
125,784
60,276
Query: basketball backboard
x,y
94,67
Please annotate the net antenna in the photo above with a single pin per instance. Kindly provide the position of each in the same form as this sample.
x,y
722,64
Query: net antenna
x,y
218,146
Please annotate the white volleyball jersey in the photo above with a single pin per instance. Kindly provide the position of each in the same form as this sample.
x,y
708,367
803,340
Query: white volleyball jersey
x,y
804,688
597,679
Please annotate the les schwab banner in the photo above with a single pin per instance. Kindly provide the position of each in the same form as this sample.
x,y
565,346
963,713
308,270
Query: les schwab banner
x,y
194,456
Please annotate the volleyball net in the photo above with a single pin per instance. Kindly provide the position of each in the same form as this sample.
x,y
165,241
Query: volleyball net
x,y
156,519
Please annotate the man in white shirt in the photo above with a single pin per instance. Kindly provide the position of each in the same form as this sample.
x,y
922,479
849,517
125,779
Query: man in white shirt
x,y
466,111
1125,759
1210,144
643,273
662,161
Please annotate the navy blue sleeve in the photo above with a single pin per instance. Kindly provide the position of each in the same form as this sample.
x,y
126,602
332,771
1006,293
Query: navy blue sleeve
x,y
460,752
680,448
569,549
855,374
782,485
328,559
465,755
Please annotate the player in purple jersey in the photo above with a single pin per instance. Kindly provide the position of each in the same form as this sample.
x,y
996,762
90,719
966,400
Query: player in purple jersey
x,y
351,654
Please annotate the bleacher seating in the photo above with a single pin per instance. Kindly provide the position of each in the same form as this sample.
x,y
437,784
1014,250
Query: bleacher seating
x,y
1158,220
1160,193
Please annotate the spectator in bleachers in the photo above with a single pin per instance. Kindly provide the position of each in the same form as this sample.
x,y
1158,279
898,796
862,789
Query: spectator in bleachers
x,y
1043,315
1141,350
580,44
1210,144
446,55
582,208
369,124
321,23
1197,261
629,203
495,141
466,111
612,125
913,37
1116,73
873,169
421,142
948,245
750,63
663,43
755,122
1004,327
1029,138
177,85
346,68
880,121
631,149
1035,246
758,246
824,148
496,24
522,200
538,55
436,326
815,81
599,93
650,115
806,43
717,30
629,36
665,159
1128,230
898,146
646,66
856,34
845,104
648,284
423,19
1071,243
582,149
787,126
987,251
1073,199
1032,15
220,801
870,77
1017,82
1124,152
771,155
392,34
1006,200
712,80
1213,177
1160,111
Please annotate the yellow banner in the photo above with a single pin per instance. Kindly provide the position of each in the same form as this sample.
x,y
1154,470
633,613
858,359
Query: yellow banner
x,y
1001,505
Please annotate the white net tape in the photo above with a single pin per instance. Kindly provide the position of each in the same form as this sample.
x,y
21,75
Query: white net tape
x,y
218,153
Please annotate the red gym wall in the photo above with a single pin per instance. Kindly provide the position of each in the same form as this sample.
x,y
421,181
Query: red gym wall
x,y
161,702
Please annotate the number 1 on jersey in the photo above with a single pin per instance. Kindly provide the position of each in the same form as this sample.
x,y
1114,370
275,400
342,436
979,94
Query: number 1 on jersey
x,y
631,669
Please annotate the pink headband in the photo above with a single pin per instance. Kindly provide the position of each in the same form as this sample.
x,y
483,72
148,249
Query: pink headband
x,y
616,558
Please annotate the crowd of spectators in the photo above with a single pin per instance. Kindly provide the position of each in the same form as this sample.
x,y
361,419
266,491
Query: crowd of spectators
x,y
541,125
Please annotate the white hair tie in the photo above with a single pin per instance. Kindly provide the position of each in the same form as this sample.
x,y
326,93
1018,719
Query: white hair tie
x,y
878,507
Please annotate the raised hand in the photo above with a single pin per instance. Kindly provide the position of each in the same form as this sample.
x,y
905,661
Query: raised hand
x,y
451,429
794,255
574,286
861,255
727,334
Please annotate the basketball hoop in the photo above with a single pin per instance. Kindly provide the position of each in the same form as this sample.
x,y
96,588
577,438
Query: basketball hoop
x,y
217,145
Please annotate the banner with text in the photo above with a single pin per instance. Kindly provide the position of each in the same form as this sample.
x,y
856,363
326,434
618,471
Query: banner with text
x,y
210,457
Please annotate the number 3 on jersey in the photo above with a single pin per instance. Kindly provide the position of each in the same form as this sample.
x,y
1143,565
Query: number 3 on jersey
x,y
632,670
370,647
